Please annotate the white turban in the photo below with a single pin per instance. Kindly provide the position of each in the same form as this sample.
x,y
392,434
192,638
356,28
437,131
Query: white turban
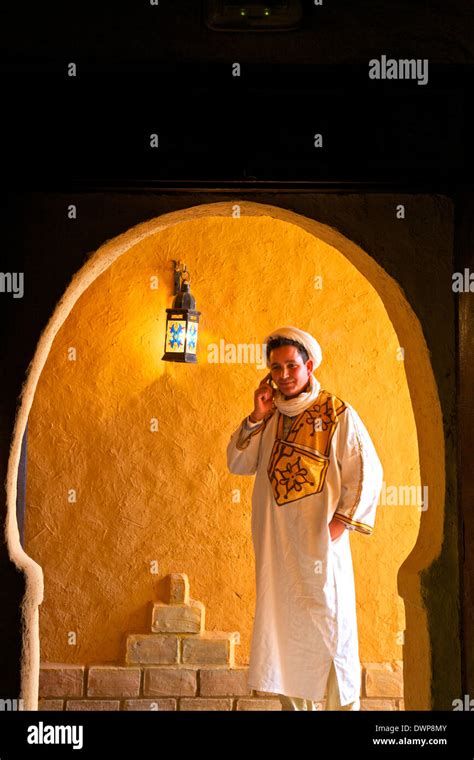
x,y
311,344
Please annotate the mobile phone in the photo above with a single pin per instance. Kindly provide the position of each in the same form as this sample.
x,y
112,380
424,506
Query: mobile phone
x,y
272,383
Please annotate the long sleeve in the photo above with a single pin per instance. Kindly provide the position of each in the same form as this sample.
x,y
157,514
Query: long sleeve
x,y
244,447
361,473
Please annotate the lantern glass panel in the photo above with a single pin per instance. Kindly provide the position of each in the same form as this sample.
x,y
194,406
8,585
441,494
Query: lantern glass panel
x,y
191,336
175,336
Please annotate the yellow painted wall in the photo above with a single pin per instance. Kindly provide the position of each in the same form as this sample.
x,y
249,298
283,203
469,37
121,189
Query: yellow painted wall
x,y
166,495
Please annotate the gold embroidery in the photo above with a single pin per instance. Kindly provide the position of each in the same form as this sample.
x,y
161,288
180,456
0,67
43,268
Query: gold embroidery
x,y
298,465
361,527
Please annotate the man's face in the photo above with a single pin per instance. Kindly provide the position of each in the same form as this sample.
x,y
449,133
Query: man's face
x,y
289,371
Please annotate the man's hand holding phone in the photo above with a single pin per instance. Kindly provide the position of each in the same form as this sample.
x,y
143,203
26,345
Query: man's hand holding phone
x,y
263,399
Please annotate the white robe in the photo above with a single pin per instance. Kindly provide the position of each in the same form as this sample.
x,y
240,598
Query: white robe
x,y
305,615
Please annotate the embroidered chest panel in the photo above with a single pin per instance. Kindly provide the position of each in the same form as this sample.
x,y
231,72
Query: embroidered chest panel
x,y
298,464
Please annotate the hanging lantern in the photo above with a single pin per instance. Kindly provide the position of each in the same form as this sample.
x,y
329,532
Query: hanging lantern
x,y
182,321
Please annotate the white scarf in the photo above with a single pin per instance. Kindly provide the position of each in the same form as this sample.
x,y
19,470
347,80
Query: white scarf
x,y
294,406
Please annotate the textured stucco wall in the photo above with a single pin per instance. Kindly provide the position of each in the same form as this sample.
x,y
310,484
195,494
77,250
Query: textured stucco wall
x,y
166,496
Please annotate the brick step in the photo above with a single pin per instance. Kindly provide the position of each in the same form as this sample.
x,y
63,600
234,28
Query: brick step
x,y
178,617
198,703
205,648
176,687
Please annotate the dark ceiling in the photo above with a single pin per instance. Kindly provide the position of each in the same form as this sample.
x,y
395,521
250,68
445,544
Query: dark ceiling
x,y
336,32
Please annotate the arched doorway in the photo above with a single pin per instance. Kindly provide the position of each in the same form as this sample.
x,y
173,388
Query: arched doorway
x,y
419,378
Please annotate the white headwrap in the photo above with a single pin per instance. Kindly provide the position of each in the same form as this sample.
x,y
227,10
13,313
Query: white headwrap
x,y
294,406
311,344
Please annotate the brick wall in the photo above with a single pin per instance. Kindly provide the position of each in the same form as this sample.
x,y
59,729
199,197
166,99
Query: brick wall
x,y
181,666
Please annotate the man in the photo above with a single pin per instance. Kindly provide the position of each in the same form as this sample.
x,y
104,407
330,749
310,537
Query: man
x,y
318,476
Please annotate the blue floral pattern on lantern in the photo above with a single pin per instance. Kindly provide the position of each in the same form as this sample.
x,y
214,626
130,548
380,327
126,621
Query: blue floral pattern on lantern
x,y
177,338
192,333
